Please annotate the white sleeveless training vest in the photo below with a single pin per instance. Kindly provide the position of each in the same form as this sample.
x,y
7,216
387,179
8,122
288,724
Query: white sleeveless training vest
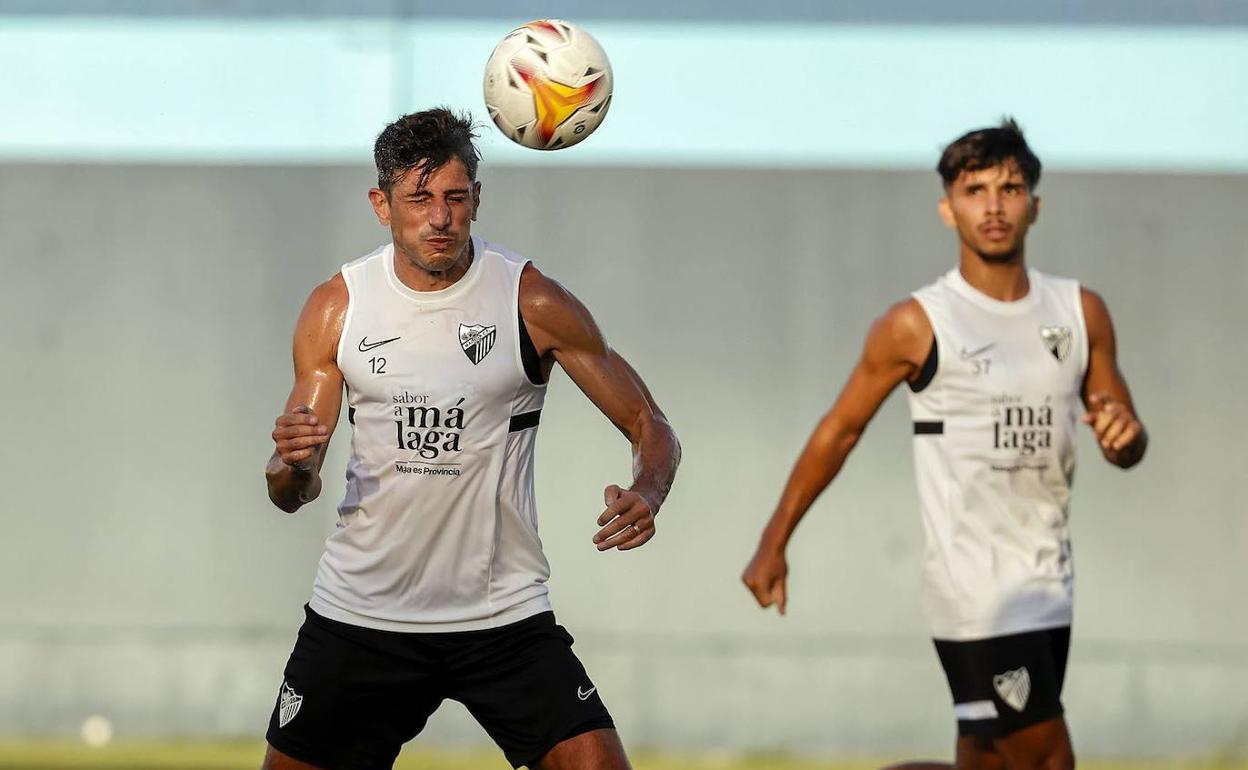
x,y
438,528
994,451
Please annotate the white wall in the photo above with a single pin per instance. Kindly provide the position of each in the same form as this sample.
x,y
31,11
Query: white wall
x,y
146,314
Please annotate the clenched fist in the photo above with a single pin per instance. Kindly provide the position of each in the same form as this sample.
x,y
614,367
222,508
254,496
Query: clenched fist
x,y
1118,431
766,576
297,435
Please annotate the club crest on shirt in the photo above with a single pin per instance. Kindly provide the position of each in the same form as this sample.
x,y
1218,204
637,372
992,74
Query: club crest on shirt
x,y
289,706
1014,687
1058,339
477,341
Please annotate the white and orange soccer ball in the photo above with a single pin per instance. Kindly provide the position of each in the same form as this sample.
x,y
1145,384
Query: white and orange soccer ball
x,y
548,84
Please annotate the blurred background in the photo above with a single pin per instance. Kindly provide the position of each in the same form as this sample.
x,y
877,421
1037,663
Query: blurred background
x,y
176,176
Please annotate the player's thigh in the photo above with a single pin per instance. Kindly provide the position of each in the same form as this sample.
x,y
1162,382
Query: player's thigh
x,y
529,691
350,698
1005,684
1041,746
977,752
972,752
594,750
276,760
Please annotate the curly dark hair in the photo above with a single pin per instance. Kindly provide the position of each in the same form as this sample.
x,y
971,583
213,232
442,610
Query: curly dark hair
x,y
431,137
988,147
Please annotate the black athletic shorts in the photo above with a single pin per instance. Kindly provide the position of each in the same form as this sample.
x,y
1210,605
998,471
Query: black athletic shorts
x,y
353,696
1003,684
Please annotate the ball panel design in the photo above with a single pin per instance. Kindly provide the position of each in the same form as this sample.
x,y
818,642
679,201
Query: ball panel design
x,y
548,85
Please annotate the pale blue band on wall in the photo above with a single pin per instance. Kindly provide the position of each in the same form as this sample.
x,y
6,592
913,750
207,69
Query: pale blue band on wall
x,y
229,91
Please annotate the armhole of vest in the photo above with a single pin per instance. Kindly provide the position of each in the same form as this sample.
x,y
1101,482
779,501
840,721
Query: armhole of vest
x,y
346,321
1086,347
931,363
530,361
928,372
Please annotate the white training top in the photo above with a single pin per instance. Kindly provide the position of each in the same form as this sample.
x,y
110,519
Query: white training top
x,y
438,528
994,450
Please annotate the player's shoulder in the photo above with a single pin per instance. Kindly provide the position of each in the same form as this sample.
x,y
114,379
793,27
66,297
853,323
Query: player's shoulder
x,y
905,320
541,294
902,333
555,317
1088,295
332,290
545,303
326,306
1095,311
537,290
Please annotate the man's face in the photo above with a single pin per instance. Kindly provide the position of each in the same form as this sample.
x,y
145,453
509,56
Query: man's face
x,y
432,223
991,208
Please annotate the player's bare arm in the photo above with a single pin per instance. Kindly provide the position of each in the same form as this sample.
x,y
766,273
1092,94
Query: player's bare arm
x,y
1111,412
564,332
302,432
895,350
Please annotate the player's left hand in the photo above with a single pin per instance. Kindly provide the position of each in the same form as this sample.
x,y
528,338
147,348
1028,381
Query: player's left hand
x,y
628,521
1112,422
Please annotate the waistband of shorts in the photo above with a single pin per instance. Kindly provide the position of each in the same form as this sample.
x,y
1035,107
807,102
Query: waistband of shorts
x,y
527,609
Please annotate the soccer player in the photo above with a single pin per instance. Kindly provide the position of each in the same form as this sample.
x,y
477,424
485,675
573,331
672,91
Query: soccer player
x,y
433,586
997,357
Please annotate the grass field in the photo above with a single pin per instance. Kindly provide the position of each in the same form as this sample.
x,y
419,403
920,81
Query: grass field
x,y
246,756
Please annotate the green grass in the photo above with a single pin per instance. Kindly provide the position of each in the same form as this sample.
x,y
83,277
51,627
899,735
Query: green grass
x,y
43,755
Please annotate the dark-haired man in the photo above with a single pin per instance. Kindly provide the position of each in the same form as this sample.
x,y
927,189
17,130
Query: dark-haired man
x,y
434,584
997,358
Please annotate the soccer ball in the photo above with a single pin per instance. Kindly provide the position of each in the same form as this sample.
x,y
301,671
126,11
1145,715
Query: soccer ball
x,y
548,85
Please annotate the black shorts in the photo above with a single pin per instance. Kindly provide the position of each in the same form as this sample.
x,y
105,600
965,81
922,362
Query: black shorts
x,y
1003,684
353,696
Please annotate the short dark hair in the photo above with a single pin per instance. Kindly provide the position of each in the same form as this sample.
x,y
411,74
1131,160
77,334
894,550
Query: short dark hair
x,y
988,147
431,137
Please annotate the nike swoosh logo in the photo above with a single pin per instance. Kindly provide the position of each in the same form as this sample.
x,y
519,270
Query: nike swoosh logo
x,y
972,353
366,346
584,694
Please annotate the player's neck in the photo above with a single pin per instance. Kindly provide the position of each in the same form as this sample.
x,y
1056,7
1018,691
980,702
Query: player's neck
x,y
415,276
1005,281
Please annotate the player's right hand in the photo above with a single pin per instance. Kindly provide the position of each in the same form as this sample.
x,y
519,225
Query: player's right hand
x,y
765,577
297,435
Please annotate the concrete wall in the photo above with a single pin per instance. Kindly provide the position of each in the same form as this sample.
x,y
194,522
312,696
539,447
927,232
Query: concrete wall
x,y
146,314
